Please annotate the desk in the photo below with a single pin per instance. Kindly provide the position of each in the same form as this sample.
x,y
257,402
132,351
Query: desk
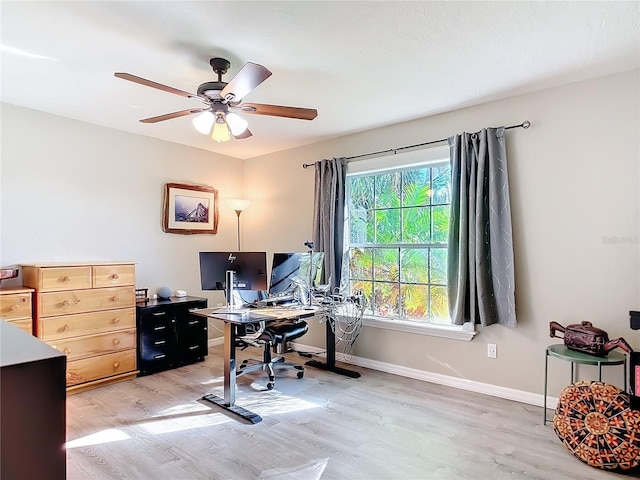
x,y
568,355
231,320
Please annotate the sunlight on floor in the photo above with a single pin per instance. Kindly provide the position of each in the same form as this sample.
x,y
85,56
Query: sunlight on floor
x,y
177,424
105,436
273,403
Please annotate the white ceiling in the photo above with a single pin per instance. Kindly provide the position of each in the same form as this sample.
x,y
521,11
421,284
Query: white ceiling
x,y
360,64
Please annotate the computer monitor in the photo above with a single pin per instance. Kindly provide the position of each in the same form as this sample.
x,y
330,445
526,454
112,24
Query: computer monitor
x,y
290,267
250,270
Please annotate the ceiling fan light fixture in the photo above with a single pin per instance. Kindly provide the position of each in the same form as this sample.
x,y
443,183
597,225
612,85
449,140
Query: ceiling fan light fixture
x,y
204,122
236,123
220,130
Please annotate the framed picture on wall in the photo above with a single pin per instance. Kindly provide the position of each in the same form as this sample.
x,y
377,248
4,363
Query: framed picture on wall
x,y
190,209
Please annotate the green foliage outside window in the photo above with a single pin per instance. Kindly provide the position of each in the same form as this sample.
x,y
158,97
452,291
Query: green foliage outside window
x,y
398,225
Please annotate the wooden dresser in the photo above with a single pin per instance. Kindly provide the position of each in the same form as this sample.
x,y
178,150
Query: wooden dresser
x,y
15,307
87,311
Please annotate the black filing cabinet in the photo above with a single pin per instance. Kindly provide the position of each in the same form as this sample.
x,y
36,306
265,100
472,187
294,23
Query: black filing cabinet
x,y
169,335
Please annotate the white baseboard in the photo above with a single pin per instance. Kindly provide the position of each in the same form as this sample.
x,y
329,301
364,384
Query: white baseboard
x,y
529,398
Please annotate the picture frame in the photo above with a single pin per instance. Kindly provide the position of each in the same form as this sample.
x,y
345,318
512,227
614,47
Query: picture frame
x,y
190,209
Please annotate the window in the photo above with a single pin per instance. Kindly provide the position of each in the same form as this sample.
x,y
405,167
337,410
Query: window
x,y
396,233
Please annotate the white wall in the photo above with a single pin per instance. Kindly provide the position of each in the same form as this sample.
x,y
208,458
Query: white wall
x,y
576,215
72,191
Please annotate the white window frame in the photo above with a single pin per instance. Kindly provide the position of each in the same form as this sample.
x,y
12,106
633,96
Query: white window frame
x,y
405,161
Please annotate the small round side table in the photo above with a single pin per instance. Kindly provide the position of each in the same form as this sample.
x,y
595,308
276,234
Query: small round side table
x,y
568,355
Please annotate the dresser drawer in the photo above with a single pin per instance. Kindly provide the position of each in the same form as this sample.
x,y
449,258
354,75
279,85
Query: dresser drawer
x,y
24,324
15,306
54,328
113,275
76,348
88,369
80,301
53,279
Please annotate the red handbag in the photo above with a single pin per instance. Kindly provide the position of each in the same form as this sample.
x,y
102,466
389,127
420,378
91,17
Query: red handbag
x,y
586,338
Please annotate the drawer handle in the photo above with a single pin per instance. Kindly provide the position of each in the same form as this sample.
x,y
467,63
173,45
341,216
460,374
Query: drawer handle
x,y
116,320
193,322
160,342
68,375
193,347
158,357
115,298
66,303
116,341
66,350
159,314
66,328
14,307
161,327
116,364
23,300
115,276
66,279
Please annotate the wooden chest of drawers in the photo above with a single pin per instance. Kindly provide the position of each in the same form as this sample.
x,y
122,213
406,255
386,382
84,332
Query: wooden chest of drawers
x,y
15,307
87,311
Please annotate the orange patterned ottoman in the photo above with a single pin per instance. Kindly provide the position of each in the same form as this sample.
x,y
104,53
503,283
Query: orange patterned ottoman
x,y
595,423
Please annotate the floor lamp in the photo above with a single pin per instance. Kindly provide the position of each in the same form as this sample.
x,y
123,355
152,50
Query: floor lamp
x,y
238,206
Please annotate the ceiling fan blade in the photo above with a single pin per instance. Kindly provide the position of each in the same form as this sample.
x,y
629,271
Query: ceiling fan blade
x,y
248,78
169,116
245,134
159,86
279,111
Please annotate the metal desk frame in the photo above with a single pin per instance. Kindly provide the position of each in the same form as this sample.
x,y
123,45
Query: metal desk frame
x,y
568,355
231,320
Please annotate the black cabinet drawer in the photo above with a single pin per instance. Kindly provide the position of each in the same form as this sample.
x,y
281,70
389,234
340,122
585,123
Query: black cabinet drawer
x,y
155,315
157,345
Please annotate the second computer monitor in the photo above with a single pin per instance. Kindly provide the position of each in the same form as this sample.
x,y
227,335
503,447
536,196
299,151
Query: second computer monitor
x,y
287,268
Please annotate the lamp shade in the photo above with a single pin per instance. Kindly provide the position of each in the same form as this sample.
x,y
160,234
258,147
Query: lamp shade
x,y
236,123
220,130
238,205
204,122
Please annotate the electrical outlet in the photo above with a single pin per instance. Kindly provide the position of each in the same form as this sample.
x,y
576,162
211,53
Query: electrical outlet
x,y
492,350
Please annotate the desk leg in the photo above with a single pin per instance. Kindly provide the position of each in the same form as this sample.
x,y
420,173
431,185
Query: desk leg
x,y
331,356
228,403
229,364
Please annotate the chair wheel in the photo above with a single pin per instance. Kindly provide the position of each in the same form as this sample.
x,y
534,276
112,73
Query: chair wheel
x,y
270,385
300,374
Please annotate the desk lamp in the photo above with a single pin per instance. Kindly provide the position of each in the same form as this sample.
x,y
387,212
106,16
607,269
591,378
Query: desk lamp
x,y
238,206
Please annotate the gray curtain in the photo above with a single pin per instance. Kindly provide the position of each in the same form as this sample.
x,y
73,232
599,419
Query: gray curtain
x,y
480,259
328,216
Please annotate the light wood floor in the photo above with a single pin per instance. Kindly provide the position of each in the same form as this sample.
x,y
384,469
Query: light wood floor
x,y
323,426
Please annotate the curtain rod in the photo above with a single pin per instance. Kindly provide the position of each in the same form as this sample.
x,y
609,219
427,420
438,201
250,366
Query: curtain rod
x,y
525,124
